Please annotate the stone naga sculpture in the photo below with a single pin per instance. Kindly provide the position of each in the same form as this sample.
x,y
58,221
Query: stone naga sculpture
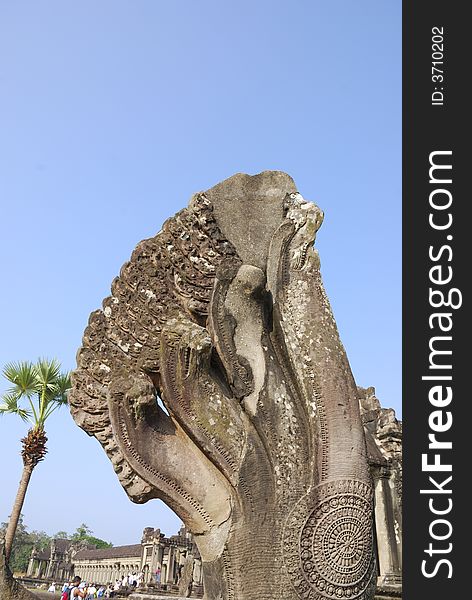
x,y
261,451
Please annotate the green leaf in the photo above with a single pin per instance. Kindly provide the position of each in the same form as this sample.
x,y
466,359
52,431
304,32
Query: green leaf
x,y
10,406
23,376
48,372
63,385
44,386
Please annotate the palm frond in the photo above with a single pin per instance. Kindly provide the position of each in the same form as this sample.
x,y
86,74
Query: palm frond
x,y
54,386
42,384
59,395
23,376
48,372
10,405
63,385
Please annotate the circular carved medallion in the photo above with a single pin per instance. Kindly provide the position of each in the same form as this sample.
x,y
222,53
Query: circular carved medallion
x,y
328,542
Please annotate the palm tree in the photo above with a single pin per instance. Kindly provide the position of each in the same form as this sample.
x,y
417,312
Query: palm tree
x,y
43,388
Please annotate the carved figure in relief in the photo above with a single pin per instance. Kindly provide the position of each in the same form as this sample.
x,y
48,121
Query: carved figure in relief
x,y
260,451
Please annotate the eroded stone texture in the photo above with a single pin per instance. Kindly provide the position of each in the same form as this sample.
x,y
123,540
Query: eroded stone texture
x,y
262,454
384,448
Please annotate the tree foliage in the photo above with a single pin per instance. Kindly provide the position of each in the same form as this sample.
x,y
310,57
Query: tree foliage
x,y
83,533
23,543
42,385
61,535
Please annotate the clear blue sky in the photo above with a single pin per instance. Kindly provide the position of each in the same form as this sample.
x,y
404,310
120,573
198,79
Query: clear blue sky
x,y
112,113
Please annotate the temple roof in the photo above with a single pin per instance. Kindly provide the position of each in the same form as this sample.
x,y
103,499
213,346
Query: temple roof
x,y
62,545
132,550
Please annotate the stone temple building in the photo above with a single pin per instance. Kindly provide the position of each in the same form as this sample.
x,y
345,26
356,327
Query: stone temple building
x,y
65,559
384,445
384,448
54,562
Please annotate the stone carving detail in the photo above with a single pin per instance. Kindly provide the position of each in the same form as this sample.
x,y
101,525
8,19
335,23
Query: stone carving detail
x,y
331,557
186,577
222,317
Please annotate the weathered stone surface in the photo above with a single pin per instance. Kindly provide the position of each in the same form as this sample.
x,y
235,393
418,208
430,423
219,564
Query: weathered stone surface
x,y
387,432
186,578
384,446
223,316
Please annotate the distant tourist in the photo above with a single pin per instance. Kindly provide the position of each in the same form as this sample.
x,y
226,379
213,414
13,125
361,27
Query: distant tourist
x,y
52,588
92,592
74,590
158,575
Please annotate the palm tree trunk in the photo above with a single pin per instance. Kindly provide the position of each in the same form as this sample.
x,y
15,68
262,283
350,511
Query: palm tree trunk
x,y
17,506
